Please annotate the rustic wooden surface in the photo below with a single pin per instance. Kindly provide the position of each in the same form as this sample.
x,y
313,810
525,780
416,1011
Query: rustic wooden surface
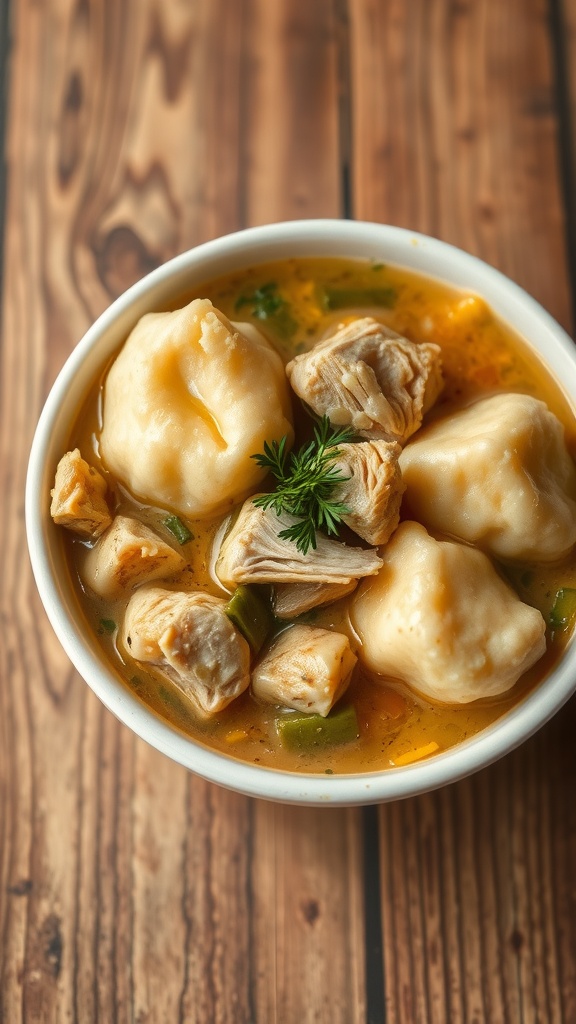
x,y
131,891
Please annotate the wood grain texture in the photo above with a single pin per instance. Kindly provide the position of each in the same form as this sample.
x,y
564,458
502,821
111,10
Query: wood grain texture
x,y
129,889
291,132
563,25
458,137
455,131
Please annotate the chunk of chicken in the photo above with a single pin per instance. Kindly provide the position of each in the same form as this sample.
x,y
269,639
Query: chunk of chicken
x,y
293,599
374,488
128,553
307,669
254,553
369,377
191,640
79,497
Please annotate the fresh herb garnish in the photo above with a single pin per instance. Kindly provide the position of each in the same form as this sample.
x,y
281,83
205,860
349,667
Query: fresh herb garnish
x,y
306,481
178,529
107,625
268,304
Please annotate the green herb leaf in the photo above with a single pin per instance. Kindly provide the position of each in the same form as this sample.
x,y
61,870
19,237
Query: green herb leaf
x,y
268,304
306,481
178,529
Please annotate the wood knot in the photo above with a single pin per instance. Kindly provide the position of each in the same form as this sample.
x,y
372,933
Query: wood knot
x,y
516,940
51,944
486,212
74,93
122,259
69,134
310,911
467,134
20,888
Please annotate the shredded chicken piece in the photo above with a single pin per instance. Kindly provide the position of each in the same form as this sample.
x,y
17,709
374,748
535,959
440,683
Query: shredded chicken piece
x,y
370,377
254,553
374,488
293,599
191,640
128,553
79,497
307,669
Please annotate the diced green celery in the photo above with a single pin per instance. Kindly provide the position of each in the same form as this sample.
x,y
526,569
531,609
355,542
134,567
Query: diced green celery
x,y
342,298
252,614
563,613
178,529
305,732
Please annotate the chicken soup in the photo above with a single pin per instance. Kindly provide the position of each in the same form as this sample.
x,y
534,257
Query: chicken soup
x,y
321,515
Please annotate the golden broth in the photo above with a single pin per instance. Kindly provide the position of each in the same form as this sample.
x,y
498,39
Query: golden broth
x,y
480,356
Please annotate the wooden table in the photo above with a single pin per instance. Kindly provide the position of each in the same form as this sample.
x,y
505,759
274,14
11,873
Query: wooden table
x,y
131,891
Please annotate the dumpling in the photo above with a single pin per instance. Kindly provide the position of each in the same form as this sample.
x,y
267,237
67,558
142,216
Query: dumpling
x,y
439,617
369,377
497,474
187,401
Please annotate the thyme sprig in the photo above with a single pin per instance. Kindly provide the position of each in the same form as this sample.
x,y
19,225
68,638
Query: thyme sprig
x,y
306,481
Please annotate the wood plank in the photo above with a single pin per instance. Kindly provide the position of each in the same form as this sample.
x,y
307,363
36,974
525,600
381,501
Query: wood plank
x,y
309,937
308,962
563,23
455,132
131,890
291,141
455,135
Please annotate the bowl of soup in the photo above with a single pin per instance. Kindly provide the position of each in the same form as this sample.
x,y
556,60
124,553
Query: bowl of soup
x,y
301,509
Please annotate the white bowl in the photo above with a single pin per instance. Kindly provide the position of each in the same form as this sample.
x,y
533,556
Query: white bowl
x,y
208,261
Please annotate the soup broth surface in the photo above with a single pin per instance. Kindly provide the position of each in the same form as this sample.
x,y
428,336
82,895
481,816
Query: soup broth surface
x,y
296,303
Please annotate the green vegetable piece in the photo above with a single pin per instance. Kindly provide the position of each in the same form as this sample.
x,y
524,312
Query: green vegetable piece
x,y
178,529
305,732
342,298
563,613
251,614
108,625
